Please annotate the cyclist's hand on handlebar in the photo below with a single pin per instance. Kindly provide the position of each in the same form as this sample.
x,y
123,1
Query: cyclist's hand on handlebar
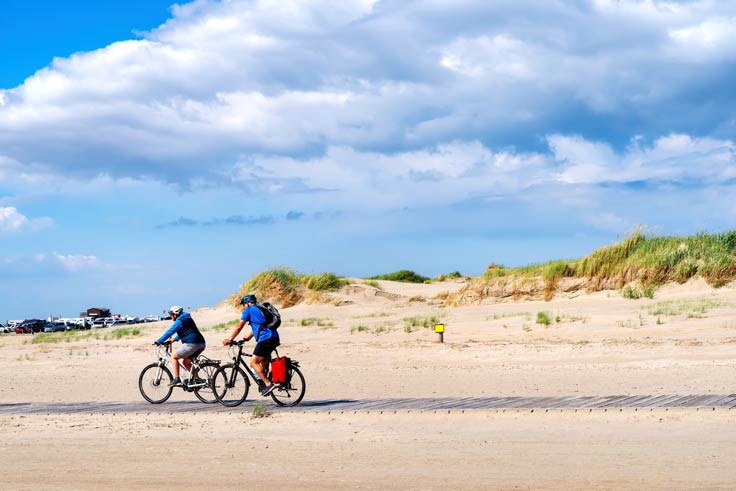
x,y
231,342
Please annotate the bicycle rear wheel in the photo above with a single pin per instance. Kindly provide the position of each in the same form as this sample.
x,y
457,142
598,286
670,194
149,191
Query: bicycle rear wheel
x,y
154,383
206,372
230,385
290,393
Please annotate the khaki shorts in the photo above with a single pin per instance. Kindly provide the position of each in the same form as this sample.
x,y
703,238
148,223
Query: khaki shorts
x,y
189,350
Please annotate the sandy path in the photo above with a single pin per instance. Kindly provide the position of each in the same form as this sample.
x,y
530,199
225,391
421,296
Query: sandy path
x,y
679,450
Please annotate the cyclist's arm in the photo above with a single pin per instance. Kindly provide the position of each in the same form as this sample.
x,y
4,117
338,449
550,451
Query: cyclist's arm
x,y
234,334
170,332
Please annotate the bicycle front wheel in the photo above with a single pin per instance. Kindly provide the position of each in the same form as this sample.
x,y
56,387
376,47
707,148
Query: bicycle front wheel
x,y
206,372
230,385
154,383
290,393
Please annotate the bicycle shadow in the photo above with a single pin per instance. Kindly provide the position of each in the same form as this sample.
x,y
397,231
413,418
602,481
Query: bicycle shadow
x,y
327,403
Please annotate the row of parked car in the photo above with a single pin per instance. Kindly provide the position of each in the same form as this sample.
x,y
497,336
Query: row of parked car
x,y
31,326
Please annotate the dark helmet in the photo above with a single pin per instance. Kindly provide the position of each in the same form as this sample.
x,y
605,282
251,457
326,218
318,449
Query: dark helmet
x,y
249,298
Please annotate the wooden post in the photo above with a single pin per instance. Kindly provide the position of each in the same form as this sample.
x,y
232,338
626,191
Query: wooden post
x,y
440,330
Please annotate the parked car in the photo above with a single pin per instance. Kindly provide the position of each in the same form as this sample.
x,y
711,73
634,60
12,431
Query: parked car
x,y
23,329
31,326
60,326
98,323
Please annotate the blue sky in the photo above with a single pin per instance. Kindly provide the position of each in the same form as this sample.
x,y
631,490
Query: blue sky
x,y
154,154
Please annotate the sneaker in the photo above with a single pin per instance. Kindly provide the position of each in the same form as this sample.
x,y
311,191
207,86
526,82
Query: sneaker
x,y
175,383
267,389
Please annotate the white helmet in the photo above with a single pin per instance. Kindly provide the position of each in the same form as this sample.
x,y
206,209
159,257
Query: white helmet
x,y
176,310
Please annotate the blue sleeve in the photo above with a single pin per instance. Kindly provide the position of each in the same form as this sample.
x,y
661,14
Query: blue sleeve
x,y
246,315
174,327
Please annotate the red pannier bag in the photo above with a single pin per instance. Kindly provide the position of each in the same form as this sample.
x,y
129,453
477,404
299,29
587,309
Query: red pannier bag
x,y
279,369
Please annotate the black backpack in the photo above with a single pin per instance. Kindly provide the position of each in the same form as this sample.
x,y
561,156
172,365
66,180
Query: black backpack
x,y
271,314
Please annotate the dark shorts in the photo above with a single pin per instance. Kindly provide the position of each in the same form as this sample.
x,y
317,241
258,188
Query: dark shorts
x,y
264,348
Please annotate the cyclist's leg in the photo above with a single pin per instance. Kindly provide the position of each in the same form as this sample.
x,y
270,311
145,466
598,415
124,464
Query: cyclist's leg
x,y
185,353
260,365
175,364
261,355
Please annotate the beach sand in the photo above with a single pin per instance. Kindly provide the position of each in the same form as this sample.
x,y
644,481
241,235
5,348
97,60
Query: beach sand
x,y
363,345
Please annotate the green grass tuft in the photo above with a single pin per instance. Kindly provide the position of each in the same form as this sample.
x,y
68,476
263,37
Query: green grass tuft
x,y
324,282
221,326
543,318
260,411
420,321
404,276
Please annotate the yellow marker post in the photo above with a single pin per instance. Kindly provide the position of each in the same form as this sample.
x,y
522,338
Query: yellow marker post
x,y
440,330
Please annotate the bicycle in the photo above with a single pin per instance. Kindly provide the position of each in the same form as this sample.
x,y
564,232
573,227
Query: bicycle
x,y
155,378
233,384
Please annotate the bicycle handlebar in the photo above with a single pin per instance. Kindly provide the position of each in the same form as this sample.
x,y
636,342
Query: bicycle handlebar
x,y
236,343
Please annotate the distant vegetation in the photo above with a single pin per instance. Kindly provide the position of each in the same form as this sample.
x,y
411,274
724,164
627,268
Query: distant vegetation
x,y
650,260
449,276
637,266
286,286
71,336
405,276
643,260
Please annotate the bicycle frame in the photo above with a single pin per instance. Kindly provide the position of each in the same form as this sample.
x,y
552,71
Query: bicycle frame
x,y
238,360
163,352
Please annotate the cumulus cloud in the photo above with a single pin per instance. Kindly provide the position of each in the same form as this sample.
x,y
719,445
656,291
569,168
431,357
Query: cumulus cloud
x,y
674,159
12,222
224,81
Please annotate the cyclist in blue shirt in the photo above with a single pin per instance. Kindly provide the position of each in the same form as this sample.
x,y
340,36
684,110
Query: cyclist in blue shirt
x,y
192,342
266,340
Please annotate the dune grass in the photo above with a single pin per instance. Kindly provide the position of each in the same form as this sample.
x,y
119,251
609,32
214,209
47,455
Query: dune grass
x,y
286,286
690,308
649,260
316,321
404,276
421,321
96,334
221,326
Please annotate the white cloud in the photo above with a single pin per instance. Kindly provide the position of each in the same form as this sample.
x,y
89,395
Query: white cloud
x,y
74,262
444,174
675,157
50,265
223,80
711,39
12,222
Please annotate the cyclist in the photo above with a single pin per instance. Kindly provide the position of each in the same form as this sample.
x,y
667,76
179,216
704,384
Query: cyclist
x,y
192,341
266,340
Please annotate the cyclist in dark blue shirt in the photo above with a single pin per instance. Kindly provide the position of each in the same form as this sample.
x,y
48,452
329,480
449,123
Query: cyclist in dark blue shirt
x,y
266,340
192,342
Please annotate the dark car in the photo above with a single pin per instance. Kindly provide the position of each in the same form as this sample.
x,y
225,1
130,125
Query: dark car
x,y
30,326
